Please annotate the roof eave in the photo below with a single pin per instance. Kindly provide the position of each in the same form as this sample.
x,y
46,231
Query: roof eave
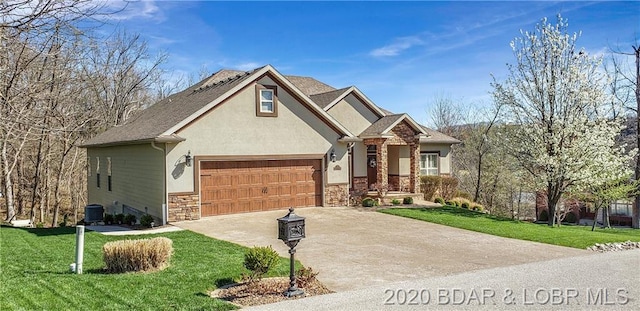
x,y
348,139
427,140
375,136
164,139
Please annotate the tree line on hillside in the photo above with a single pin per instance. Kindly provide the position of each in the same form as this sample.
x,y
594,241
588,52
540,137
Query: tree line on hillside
x,y
59,85
559,125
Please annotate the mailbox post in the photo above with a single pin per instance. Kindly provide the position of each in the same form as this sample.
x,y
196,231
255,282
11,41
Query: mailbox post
x,y
291,231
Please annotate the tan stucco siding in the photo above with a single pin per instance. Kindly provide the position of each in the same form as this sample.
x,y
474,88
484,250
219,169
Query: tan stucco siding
x,y
359,160
404,161
233,129
393,153
137,178
353,114
445,155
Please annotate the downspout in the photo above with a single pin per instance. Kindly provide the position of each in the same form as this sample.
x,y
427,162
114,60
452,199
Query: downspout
x,y
165,210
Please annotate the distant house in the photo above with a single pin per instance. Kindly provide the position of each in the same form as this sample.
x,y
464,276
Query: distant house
x,y
620,212
258,140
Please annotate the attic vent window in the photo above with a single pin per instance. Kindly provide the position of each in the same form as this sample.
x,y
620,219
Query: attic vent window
x,y
266,101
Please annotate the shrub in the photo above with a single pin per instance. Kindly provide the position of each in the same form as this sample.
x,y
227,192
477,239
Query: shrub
x,y
439,200
544,216
130,219
137,255
477,207
108,219
450,203
305,276
381,188
259,260
146,220
449,186
430,185
119,218
407,200
40,225
356,195
463,194
571,218
396,202
368,202
462,202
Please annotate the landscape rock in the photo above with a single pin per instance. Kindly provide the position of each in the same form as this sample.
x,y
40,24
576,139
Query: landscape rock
x,y
614,247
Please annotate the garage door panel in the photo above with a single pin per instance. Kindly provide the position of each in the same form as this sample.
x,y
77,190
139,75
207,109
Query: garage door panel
x,y
248,186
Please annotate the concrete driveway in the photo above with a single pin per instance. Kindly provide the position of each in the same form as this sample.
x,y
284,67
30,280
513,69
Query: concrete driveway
x,y
354,249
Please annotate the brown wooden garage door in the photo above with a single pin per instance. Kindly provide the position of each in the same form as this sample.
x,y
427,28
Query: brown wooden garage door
x,y
229,187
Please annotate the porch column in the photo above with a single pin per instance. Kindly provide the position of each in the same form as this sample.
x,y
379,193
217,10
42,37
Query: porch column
x,y
383,161
414,169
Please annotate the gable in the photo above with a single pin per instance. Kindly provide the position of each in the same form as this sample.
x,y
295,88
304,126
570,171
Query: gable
x,y
353,114
402,134
232,127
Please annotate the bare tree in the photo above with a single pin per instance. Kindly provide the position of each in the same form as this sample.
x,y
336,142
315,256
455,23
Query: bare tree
x,y
58,87
119,72
625,88
445,114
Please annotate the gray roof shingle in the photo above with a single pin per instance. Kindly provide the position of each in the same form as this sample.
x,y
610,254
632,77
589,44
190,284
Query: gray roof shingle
x,y
437,137
379,126
324,99
309,86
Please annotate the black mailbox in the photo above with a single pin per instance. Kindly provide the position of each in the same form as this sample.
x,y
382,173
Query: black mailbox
x,y
291,227
291,231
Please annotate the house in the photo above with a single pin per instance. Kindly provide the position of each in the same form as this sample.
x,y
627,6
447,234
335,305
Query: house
x,y
257,140
620,211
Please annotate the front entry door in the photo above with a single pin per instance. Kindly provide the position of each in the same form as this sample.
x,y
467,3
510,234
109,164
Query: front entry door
x,y
372,171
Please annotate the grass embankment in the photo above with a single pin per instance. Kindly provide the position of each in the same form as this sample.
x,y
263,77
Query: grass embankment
x,y
34,273
566,235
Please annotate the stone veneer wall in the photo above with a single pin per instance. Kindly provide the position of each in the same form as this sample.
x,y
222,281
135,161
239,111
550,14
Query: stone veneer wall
x,y
399,183
403,134
336,195
360,183
414,169
184,207
404,183
394,183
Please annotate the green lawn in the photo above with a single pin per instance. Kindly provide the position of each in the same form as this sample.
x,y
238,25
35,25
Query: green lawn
x,y
572,236
34,273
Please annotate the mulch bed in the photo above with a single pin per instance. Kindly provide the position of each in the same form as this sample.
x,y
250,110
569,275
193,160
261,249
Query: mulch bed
x,y
265,291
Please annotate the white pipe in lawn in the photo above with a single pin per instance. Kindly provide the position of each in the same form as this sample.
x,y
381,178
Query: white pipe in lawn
x,y
79,248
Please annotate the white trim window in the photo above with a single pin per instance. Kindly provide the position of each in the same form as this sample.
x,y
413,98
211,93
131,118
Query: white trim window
x,y
429,164
266,101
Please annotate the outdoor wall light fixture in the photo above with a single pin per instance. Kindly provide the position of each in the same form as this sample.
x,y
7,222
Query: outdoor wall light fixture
x,y
187,159
333,156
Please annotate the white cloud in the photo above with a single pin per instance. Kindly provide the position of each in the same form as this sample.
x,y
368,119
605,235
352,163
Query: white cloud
x,y
244,66
399,45
247,66
127,10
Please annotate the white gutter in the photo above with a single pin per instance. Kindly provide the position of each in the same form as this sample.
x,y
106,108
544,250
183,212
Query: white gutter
x,y
165,209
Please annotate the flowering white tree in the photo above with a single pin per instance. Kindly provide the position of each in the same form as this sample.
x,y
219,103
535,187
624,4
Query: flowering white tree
x,y
562,131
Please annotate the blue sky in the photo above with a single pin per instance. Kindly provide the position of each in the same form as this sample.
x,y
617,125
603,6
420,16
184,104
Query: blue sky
x,y
402,55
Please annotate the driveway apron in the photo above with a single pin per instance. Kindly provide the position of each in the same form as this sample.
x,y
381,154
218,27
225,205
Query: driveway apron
x,y
353,249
